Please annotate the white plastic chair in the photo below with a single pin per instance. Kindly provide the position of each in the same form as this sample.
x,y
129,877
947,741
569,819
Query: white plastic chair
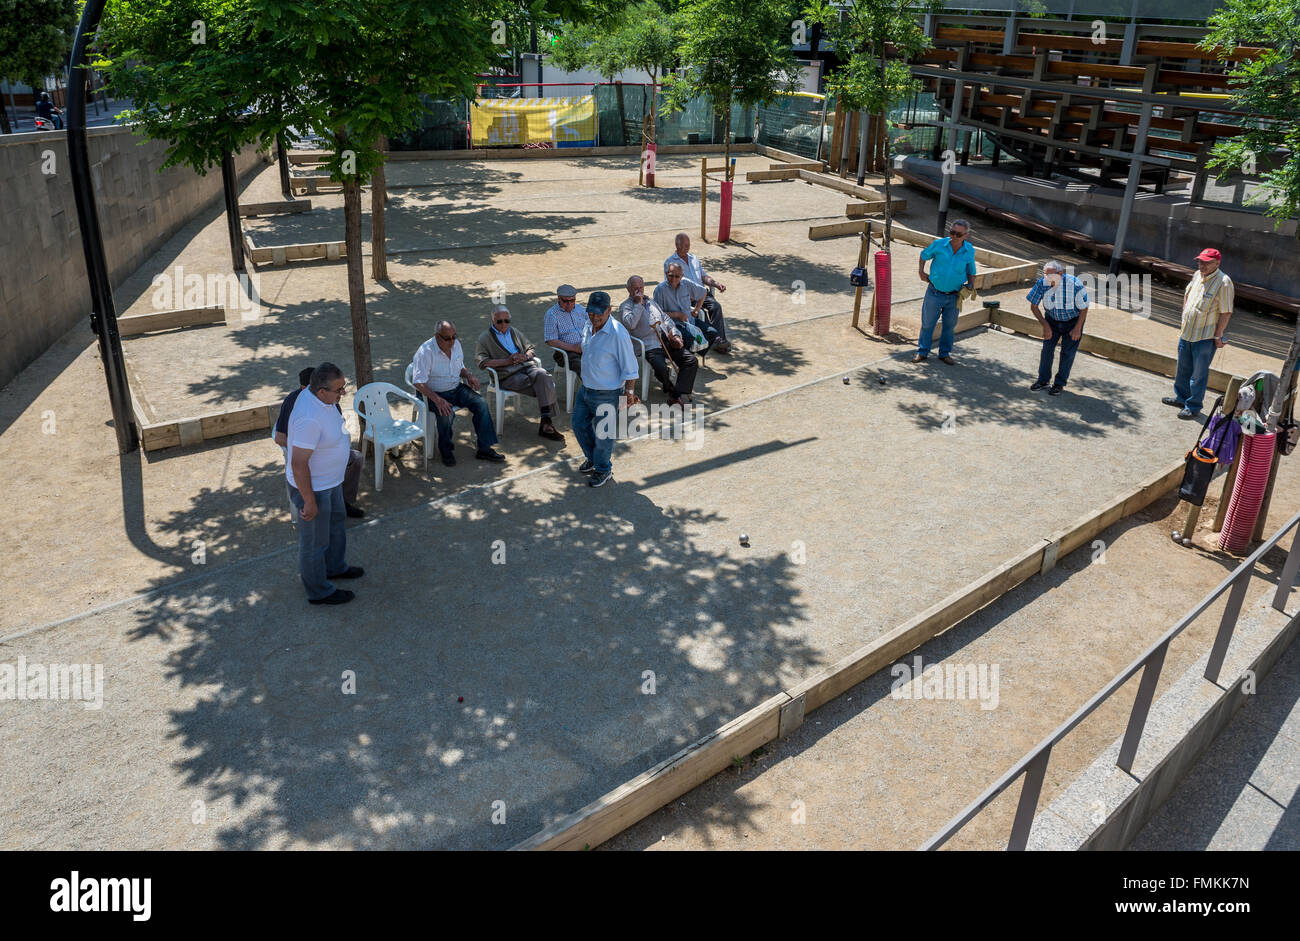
x,y
494,386
570,379
380,429
418,411
639,347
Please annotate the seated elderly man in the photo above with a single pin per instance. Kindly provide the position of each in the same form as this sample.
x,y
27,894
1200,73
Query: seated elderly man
x,y
563,325
505,349
710,309
645,321
440,376
677,294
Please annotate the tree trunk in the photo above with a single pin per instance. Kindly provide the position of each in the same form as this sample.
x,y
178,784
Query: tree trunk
x,y
4,120
282,156
378,235
356,279
1284,387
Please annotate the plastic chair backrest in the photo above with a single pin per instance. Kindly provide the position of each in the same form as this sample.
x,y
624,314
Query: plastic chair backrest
x,y
371,403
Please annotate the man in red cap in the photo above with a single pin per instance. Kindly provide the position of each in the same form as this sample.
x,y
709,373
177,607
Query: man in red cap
x,y
1207,305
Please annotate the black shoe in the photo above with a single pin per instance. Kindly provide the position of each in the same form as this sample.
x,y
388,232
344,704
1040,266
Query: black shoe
x,y
487,454
597,479
340,596
1188,415
354,511
1056,390
353,571
548,431
918,358
586,467
948,359
1038,385
448,459
1172,400
720,346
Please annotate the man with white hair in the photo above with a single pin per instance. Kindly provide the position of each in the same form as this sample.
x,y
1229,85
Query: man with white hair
x,y
710,310
1064,301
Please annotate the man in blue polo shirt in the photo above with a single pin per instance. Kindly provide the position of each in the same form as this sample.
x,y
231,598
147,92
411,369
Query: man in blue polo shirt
x,y
610,370
1064,300
952,266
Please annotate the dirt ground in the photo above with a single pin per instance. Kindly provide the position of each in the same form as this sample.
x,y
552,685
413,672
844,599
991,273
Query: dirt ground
x,y
204,530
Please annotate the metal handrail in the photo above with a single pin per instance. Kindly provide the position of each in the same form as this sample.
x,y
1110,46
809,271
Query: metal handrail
x,y
1034,764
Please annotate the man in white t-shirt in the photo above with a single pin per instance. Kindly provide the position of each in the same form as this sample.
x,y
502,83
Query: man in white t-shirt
x,y
319,445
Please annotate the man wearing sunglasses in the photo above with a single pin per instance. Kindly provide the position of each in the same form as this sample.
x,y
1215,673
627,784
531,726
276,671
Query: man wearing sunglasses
x,y
505,349
610,371
952,266
440,376
352,476
319,446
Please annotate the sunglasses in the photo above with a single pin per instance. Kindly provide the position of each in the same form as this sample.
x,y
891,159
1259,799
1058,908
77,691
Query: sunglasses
x,y
567,300
503,320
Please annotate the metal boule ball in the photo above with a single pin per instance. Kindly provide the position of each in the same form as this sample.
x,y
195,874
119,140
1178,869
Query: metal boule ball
x,y
744,539
846,380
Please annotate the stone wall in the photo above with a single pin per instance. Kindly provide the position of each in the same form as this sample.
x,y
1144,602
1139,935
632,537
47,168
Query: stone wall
x,y
43,285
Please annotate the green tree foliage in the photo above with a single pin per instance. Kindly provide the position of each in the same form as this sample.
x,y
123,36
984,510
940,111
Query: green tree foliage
x,y
734,53
644,37
1268,86
879,38
35,39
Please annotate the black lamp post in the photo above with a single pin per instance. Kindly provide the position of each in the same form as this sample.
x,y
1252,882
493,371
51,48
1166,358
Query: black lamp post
x,y
103,315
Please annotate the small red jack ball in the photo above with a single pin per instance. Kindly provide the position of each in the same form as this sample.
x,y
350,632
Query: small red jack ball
x,y
460,699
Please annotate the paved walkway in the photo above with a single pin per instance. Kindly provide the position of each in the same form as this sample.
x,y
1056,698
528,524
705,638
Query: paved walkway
x,y
1242,794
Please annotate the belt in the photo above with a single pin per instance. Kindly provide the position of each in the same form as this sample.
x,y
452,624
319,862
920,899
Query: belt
x,y
937,291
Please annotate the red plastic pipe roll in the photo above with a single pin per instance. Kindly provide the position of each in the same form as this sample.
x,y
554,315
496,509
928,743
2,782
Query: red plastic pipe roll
x,y
1247,492
724,212
882,293
650,164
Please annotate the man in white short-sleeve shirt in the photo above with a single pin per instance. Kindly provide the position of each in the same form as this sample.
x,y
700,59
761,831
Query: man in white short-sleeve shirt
x,y
319,446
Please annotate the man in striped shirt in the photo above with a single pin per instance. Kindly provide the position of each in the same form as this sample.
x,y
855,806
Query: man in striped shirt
x,y
1064,301
1207,305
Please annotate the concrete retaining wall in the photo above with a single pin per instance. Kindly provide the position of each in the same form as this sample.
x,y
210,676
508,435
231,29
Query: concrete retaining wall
x,y
1169,227
43,288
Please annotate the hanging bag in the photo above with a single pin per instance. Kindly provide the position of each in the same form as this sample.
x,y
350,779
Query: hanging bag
x,y
1201,461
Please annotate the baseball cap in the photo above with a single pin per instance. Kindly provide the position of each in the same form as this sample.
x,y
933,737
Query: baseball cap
x,y
598,303
1209,254
566,290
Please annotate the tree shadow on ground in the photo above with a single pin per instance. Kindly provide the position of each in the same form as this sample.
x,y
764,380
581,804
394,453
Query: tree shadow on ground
x,y
982,389
550,652
720,812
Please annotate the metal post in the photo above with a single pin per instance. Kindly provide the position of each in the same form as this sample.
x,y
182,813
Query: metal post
x,y
1137,719
1130,190
230,183
822,130
1288,573
103,315
946,183
1029,791
1228,624
862,146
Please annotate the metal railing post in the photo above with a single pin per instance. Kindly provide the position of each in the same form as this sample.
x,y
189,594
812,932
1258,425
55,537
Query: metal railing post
x,y
1228,624
1029,792
1288,573
1137,719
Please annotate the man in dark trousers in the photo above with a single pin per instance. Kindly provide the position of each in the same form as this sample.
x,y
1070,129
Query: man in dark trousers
x,y
352,476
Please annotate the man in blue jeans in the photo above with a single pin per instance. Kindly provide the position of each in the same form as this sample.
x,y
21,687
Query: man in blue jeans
x,y
1065,301
319,446
610,369
952,267
438,373
1207,305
